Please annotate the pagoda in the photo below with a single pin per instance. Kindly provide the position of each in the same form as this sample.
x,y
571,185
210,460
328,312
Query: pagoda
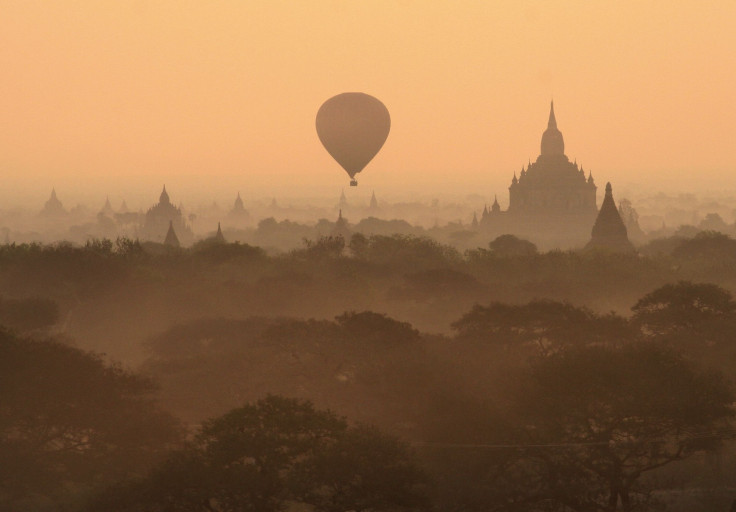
x,y
551,200
164,217
609,231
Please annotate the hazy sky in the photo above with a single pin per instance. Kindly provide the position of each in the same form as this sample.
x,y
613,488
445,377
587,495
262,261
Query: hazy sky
x,y
212,96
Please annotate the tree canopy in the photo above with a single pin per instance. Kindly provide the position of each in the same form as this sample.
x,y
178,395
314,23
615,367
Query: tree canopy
x,y
596,419
70,421
545,325
683,305
278,451
510,246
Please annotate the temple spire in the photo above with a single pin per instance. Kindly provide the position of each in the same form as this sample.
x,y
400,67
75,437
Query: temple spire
x,y
341,227
609,231
53,206
238,204
171,239
219,237
164,197
552,123
495,207
552,141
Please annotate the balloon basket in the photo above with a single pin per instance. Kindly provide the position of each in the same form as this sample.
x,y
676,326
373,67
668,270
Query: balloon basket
x,y
353,183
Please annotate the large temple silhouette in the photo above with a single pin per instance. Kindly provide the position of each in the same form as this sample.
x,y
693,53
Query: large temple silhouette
x,y
163,217
551,200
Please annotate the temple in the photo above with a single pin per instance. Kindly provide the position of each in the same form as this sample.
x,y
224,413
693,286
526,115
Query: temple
x,y
53,207
341,227
171,239
219,237
162,218
107,208
238,207
238,212
609,232
552,184
551,200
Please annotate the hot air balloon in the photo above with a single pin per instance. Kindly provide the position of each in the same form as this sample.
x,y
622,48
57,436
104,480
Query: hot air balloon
x,y
352,127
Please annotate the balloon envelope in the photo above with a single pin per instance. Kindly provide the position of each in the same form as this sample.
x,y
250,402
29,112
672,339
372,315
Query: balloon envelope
x,y
353,127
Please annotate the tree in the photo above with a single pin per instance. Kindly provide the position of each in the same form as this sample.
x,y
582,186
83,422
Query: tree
x,y
713,222
24,315
510,246
324,247
596,419
263,456
440,284
683,305
364,470
707,245
214,252
409,253
68,422
372,328
545,325
358,245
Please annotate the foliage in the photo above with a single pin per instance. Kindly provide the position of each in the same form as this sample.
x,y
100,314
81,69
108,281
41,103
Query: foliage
x,y
264,456
48,270
69,421
358,245
30,314
324,247
214,252
365,364
409,252
439,284
684,305
661,246
707,245
598,418
544,324
371,327
510,246
373,226
365,470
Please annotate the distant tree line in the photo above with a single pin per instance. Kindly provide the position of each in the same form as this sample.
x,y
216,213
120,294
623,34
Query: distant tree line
x,y
412,277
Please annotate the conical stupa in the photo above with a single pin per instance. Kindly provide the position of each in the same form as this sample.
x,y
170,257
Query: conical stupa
x,y
171,239
341,227
219,237
374,202
609,231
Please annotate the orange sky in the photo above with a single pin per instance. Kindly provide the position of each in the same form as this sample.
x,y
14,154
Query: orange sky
x,y
108,97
